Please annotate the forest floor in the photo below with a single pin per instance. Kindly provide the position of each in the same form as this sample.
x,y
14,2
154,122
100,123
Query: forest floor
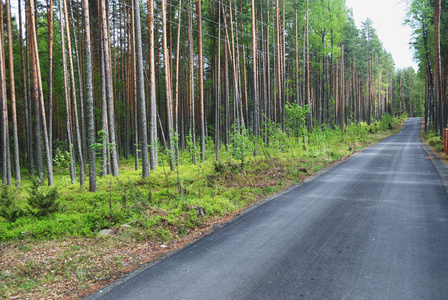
x,y
74,267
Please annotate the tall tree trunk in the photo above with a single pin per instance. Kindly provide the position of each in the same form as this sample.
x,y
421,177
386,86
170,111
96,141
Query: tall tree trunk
x,y
307,71
67,96
109,91
218,93
27,108
141,91
438,69
132,80
4,107
177,97
38,85
82,171
104,121
169,97
81,88
152,89
192,125
34,97
12,93
255,70
50,77
89,100
201,80
279,63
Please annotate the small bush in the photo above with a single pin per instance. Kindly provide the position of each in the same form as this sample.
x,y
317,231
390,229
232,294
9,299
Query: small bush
x,y
62,159
41,203
386,122
435,141
8,208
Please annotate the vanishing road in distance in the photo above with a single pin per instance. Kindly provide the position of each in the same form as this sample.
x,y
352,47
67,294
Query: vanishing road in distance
x,y
373,227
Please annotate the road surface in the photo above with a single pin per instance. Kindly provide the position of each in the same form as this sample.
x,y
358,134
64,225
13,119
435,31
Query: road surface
x,y
373,227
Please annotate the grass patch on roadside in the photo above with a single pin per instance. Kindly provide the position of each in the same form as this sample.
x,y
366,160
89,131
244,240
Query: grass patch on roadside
x,y
436,144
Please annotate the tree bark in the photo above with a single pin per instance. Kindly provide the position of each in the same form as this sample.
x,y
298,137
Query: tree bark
x,y
152,89
27,108
4,107
50,77
13,95
82,171
255,70
109,91
89,100
201,81
141,91
67,96
169,97
38,85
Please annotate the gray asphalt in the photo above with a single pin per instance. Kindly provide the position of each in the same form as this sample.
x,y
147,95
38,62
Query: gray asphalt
x,y
374,227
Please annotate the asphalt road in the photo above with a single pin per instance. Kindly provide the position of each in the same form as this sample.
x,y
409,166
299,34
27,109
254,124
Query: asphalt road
x,y
374,227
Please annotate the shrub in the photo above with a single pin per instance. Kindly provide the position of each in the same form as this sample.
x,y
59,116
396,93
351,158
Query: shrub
x,y
62,159
8,208
435,141
42,203
386,122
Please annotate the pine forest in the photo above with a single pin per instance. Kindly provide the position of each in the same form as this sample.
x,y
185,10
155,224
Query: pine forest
x,y
108,80
156,119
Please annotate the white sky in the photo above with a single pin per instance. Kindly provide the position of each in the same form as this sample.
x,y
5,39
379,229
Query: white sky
x,y
388,17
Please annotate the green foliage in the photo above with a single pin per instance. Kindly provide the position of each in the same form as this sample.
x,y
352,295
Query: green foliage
x,y
9,210
42,203
239,142
62,159
296,121
386,122
160,206
435,141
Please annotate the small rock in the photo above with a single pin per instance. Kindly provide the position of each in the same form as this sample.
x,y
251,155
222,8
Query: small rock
x,y
199,210
104,232
163,246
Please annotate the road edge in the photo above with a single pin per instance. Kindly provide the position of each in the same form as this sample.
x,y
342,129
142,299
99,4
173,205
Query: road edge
x,y
442,169
248,209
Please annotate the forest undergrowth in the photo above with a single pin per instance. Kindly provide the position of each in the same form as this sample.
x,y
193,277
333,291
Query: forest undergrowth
x,y
65,242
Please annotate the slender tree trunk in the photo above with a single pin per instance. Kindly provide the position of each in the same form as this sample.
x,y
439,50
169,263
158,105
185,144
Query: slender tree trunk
x,y
169,97
109,92
176,99
218,93
279,66
191,80
82,171
82,128
67,96
89,100
50,77
34,96
133,83
12,92
4,107
438,69
152,89
201,80
104,121
28,131
307,71
255,70
141,91
38,82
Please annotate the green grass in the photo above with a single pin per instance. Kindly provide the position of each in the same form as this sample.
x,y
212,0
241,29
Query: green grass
x,y
163,201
